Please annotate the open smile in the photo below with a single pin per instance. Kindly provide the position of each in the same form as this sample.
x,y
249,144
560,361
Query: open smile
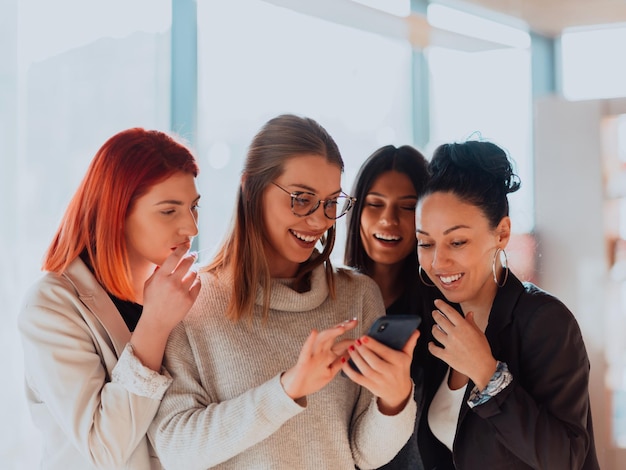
x,y
304,238
387,238
450,279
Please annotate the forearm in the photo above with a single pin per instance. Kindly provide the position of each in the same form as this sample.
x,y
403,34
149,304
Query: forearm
x,y
376,438
149,343
190,434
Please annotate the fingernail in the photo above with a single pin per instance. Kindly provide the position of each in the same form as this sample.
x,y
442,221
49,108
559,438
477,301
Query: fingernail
x,y
343,360
364,339
193,253
351,348
358,341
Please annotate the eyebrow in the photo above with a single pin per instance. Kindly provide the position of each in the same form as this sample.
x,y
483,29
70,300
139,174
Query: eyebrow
x,y
310,189
408,196
445,232
175,202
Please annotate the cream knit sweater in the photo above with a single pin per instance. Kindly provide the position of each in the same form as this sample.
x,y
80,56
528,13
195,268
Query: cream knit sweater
x,y
226,408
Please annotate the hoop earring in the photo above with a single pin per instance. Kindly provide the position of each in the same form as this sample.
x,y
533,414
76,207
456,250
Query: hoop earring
x,y
505,265
419,273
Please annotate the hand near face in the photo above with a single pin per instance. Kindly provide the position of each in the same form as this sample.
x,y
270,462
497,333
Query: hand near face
x,y
171,290
318,363
465,347
384,371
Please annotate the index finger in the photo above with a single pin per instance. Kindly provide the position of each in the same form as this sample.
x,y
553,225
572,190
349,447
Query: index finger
x,y
448,312
170,263
331,334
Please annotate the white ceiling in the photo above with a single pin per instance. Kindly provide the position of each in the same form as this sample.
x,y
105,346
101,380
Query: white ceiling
x,y
550,17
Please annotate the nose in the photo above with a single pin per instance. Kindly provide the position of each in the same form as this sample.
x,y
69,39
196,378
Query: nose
x,y
390,216
439,258
317,220
189,226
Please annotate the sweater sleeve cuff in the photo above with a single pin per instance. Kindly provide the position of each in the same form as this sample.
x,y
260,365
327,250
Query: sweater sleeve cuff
x,y
137,378
500,379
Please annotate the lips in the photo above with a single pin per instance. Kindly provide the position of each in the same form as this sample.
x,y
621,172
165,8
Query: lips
x,y
186,244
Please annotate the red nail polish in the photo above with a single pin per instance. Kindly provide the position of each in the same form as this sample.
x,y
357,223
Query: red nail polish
x,y
343,360
351,348
364,339
358,341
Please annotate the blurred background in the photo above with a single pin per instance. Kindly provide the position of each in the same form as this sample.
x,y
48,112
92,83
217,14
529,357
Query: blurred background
x,y
545,79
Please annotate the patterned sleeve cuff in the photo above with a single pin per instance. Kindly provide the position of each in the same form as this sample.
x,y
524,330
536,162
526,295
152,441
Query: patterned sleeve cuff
x,y
137,378
498,382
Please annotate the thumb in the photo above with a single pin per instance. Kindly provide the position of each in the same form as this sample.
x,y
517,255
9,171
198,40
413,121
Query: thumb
x,y
410,344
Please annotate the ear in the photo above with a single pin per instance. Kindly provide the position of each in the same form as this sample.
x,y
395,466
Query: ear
x,y
503,232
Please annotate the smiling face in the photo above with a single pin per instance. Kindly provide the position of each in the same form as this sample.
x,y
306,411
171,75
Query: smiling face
x,y
388,219
456,247
289,239
163,218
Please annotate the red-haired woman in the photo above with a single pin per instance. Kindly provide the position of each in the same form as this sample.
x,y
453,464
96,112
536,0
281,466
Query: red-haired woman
x,y
118,280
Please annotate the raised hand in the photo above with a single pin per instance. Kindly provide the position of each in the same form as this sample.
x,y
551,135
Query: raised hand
x,y
171,290
318,363
168,295
464,346
384,371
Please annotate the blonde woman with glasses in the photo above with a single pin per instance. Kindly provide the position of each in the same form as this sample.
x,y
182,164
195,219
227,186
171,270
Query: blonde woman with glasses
x,y
255,364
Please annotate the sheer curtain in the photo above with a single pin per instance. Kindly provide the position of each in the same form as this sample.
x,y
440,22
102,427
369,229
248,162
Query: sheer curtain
x,y
73,73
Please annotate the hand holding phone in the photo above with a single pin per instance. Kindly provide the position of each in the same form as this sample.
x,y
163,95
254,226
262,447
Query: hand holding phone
x,y
392,330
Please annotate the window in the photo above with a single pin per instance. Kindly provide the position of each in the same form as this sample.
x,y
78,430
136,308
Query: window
x,y
257,60
593,64
486,95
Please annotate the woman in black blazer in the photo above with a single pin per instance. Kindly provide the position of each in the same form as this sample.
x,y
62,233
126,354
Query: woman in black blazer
x,y
506,378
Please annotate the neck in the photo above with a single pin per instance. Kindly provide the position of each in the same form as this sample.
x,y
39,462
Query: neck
x,y
481,306
387,276
139,275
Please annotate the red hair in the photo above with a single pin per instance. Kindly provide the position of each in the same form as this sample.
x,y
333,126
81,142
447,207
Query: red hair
x,y
123,169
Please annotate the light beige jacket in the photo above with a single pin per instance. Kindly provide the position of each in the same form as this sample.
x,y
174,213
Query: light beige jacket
x,y
88,394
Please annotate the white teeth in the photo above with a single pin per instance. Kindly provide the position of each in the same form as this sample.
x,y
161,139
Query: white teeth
x,y
305,238
449,279
388,238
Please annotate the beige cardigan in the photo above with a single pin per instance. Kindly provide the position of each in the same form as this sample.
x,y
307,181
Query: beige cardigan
x,y
90,397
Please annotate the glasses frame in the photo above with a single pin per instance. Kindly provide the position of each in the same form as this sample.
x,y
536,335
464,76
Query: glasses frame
x,y
350,201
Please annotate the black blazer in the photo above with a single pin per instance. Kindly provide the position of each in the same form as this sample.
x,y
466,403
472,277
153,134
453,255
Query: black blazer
x,y
542,420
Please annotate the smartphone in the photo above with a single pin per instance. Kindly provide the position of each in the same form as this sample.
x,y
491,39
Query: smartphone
x,y
392,330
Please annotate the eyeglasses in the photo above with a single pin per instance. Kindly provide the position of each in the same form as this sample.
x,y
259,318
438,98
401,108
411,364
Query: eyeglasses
x,y
304,203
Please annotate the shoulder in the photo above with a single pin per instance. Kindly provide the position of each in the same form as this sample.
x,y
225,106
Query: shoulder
x,y
55,300
543,313
535,299
50,290
215,292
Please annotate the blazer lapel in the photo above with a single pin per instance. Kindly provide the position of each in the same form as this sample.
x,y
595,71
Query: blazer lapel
x,y
95,298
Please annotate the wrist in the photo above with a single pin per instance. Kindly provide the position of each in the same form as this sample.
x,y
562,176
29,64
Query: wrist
x,y
486,374
392,408
500,380
287,382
